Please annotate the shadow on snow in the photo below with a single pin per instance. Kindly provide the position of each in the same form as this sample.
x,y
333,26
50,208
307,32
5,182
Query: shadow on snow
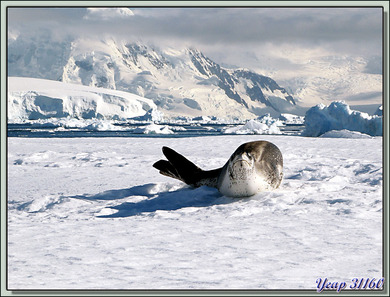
x,y
168,201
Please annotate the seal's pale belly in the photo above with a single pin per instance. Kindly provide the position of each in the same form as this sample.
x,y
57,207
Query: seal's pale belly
x,y
241,180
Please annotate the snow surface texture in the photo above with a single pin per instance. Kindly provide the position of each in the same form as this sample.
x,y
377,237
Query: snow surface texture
x,y
32,99
337,116
92,213
344,134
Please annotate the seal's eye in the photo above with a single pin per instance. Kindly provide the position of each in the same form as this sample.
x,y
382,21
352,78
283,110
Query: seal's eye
x,y
249,156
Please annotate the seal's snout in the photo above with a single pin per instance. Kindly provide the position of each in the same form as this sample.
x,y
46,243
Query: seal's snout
x,y
245,159
241,167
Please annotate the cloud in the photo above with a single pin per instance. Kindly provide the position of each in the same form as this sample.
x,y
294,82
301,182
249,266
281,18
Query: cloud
x,y
365,96
103,13
230,25
374,65
341,30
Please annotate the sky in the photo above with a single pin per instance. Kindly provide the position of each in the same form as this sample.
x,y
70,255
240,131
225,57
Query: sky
x,y
348,30
259,38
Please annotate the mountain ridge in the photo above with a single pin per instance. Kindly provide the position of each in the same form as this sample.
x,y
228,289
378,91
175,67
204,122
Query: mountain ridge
x,y
179,81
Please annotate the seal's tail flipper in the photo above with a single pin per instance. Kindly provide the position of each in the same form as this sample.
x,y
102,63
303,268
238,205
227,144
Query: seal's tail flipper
x,y
166,168
178,167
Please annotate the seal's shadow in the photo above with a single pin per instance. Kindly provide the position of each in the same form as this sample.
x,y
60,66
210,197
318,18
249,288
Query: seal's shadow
x,y
168,201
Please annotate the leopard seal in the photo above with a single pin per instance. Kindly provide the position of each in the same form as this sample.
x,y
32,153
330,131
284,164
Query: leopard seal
x,y
254,167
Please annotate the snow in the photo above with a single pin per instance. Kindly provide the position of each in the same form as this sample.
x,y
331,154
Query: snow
x,y
254,127
269,121
288,118
379,111
318,76
173,79
72,124
152,115
344,134
32,99
202,119
92,213
153,129
337,116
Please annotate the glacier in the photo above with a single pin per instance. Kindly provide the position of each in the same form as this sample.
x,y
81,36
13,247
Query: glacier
x,y
33,99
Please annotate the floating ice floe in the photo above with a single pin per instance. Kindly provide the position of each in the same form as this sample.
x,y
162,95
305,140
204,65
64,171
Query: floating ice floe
x,y
102,126
69,123
153,129
338,116
254,127
178,129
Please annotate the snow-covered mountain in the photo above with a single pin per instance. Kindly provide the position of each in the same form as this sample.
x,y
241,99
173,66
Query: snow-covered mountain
x,y
323,77
179,81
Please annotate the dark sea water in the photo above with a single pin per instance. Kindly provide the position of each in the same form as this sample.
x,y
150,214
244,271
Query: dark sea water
x,y
190,130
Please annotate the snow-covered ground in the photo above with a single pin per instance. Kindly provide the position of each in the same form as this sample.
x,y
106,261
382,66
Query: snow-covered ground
x,y
92,213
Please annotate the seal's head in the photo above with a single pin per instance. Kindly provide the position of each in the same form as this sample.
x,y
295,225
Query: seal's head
x,y
241,166
254,167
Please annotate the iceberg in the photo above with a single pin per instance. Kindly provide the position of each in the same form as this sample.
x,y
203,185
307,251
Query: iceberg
x,y
153,129
288,118
338,116
379,111
254,127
